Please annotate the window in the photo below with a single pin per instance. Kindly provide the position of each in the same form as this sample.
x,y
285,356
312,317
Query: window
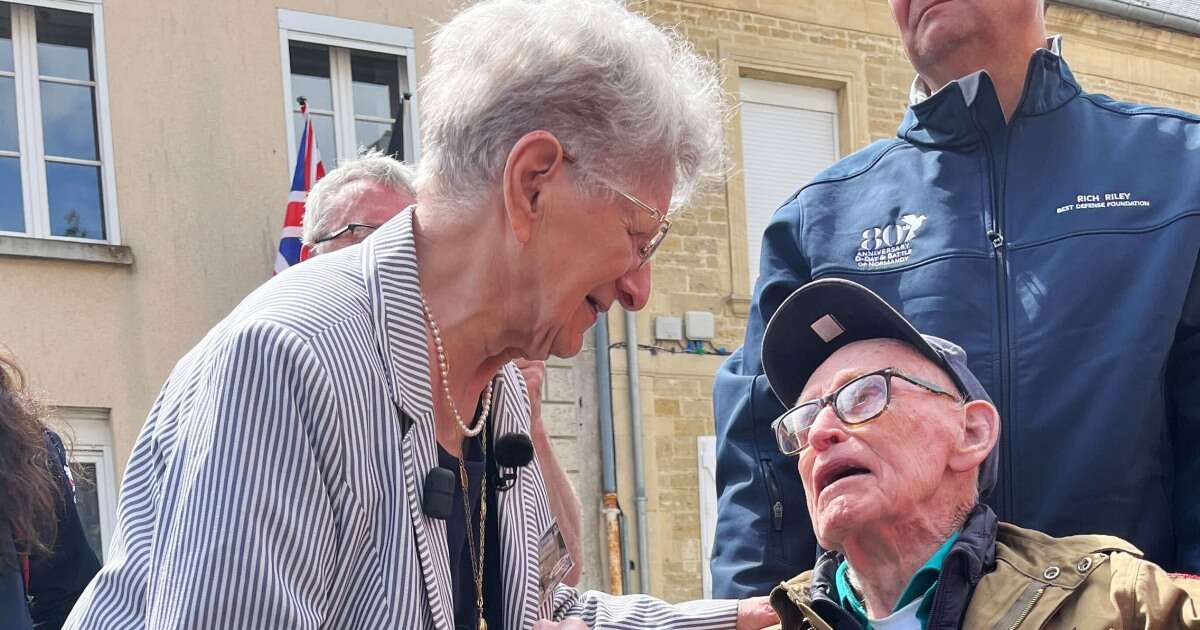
x,y
90,449
55,160
789,134
355,77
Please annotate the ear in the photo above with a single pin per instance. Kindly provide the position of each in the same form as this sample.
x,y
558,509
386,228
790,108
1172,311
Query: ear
x,y
981,430
532,162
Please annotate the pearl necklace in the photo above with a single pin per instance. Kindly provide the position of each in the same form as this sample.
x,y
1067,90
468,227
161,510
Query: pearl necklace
x,y
445,367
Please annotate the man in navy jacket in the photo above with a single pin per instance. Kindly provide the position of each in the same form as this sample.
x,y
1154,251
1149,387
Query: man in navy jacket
x,y
1054,234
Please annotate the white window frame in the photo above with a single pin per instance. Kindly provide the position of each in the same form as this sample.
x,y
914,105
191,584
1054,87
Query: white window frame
x,y
34,195
796,96
344,35
91,443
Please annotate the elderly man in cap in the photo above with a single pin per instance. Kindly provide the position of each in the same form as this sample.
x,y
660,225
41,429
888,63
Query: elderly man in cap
x,y
895,444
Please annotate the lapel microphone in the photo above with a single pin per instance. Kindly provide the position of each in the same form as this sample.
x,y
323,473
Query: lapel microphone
x,y
438,499
512,451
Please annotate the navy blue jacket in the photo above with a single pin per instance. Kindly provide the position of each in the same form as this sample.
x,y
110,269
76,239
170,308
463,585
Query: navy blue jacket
x,y
1060,250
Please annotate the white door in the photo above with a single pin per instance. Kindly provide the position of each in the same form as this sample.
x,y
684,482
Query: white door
x,y
90,449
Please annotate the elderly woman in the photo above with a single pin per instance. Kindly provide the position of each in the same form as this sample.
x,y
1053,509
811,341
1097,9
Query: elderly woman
x,y
324,457
895,439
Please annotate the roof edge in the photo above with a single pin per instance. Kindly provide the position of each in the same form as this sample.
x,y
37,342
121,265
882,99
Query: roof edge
x,y
1156,17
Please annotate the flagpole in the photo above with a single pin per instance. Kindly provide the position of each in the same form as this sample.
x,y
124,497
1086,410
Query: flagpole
x,y
396,142
307,171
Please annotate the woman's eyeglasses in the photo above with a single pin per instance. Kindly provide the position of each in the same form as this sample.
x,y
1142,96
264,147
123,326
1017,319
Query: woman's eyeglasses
x,y
663,219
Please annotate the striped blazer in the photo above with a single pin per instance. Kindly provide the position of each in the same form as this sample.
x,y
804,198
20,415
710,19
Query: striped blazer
x,y
273,485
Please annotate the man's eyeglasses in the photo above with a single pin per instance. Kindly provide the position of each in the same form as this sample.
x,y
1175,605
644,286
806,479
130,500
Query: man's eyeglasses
x,y
353,228
859,401
663,218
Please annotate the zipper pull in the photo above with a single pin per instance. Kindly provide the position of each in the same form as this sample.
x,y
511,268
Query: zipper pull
x,y
996,238
777,515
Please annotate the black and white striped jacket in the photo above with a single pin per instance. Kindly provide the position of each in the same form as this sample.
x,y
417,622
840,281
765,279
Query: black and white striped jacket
x,y
273,486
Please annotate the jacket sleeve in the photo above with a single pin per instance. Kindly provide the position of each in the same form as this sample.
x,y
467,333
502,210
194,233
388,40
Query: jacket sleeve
x,y
1183,395
241,517
56,580
759,494
601,610
1147,597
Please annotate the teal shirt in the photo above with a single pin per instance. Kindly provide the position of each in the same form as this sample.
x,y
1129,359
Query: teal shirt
x,y
922,584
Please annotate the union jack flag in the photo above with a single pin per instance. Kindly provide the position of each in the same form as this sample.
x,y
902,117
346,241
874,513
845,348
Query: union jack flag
x,y
309,169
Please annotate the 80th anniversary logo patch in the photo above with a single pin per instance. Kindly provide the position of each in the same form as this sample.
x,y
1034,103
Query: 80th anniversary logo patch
x,y
890,244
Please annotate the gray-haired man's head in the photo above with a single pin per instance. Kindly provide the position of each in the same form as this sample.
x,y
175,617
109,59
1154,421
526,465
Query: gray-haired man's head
x,y
355,198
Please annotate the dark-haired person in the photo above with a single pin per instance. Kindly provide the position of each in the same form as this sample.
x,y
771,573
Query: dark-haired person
x,y
45,560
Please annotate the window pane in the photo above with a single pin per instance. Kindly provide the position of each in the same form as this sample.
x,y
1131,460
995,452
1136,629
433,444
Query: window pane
x,y
88,505
64,44
310,75
8,114
325,146
12,214
69,121
376,79
6,53
75,207
372,135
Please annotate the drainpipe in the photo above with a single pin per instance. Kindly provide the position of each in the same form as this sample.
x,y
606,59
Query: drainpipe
x,y
611,509
639,473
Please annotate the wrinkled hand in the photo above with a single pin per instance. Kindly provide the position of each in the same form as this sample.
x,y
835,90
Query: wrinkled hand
x,y
570,623
755,613
534,372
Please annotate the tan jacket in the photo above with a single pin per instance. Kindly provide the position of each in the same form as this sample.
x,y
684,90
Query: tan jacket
x,y
1078,582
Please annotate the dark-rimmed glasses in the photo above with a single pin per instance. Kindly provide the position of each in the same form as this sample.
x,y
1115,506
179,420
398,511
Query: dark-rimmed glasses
x,y
663,218
859,401
352,228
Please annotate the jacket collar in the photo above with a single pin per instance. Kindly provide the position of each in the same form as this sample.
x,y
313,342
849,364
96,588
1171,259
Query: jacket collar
x,y
390,267
960,111
971,557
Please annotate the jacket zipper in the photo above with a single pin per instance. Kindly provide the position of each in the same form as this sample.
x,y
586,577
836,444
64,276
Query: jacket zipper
x,y
996,236
1028,608
773,494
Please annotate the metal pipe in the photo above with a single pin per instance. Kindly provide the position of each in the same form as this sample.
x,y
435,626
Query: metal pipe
x,y
1130,11
610,508
612,528
608,451
639,472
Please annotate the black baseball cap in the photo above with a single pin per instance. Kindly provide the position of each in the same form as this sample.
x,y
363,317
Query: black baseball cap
x,y
824,315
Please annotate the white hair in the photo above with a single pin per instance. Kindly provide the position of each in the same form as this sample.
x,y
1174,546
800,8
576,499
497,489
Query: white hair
x,y
373,167
623,96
